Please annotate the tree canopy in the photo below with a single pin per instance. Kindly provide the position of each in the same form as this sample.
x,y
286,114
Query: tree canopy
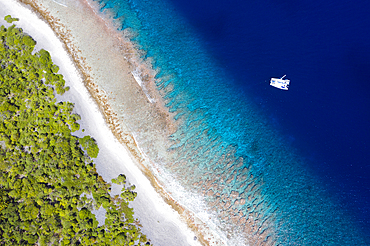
x,y
49,186
9,19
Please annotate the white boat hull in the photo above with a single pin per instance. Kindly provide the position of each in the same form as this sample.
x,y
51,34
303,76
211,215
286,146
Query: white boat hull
x,y
282,84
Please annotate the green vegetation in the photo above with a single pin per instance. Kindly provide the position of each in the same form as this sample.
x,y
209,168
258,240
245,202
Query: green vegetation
x,y
89,144
9,19
49,186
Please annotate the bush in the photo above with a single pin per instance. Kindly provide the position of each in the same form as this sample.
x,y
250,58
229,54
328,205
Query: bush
x,y
44,172
9,19
89,144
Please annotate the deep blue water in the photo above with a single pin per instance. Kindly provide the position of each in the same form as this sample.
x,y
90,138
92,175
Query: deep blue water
x,y
323,47
220,56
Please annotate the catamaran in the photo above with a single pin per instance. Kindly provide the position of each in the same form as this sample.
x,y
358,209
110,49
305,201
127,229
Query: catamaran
x,y
280,83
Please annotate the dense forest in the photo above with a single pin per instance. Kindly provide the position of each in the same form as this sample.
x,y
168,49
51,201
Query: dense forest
x,y
49,184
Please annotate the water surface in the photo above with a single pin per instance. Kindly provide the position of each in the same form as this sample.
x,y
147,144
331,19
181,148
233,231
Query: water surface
x,y
295,162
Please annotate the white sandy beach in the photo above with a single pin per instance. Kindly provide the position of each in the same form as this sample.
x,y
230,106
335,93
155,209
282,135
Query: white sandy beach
x,y
161,223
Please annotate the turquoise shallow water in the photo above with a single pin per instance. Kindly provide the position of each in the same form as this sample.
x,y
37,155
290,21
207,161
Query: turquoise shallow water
x,y
226,148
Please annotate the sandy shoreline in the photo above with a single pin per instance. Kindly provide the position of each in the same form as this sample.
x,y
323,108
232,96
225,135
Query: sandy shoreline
x,y
161,223
114,92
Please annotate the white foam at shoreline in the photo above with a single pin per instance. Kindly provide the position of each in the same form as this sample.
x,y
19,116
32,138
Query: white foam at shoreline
x,y
136,75
58,2
190,201
160,222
